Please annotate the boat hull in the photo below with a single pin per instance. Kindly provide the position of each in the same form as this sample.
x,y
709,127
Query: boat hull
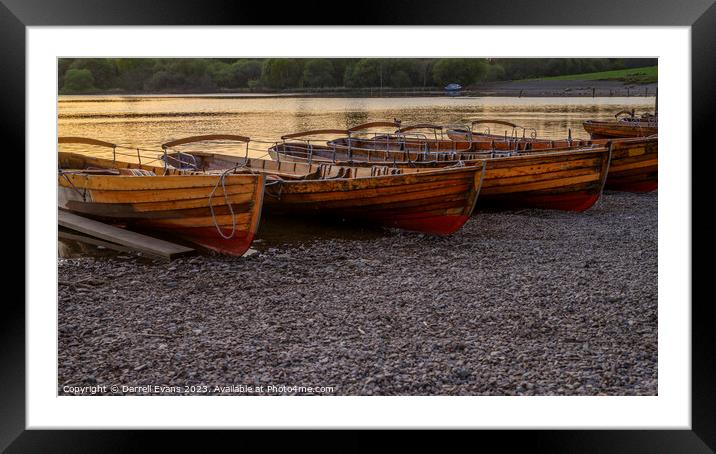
x,y
432,201
208,238
634,166
619,129
571,181
552,179
180,205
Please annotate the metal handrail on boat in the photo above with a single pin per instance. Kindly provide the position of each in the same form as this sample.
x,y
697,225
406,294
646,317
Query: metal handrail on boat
x,y
315,132
418,139
420,126
88,141
375,124
434,127
625,112
513,133
493,121
206,137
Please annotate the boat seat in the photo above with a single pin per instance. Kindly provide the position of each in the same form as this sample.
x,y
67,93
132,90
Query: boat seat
x,y
110,171
137,172
100,171
342,172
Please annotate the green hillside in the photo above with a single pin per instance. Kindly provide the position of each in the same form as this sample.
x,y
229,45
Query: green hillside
x,y
646,75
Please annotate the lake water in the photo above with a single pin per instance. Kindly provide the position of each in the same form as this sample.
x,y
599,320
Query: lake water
x,y
149,121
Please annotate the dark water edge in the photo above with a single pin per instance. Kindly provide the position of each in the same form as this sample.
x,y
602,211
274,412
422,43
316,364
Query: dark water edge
x,y
274,231
526,89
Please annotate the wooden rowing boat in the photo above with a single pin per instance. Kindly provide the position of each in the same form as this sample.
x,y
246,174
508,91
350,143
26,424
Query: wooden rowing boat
x,y
404,145
635,165
513,138
359,145
219,212
364,151
471,135
570,180
567,179
625,124
518,173
618,129
415,141
382,147
436,201
634,161
427,200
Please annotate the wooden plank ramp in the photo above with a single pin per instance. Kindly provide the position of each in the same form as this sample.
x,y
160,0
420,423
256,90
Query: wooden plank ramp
x,y
131,240
65,234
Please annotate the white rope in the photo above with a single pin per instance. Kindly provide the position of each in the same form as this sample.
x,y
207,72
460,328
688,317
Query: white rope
x,y
226,200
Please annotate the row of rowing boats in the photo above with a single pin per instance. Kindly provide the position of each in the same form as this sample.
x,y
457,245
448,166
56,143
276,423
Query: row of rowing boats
x,y
422,177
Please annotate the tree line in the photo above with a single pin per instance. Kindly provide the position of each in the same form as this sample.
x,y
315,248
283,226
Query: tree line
x,y
165,75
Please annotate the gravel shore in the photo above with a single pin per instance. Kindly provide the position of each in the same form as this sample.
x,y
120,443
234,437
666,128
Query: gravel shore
x,y
516,303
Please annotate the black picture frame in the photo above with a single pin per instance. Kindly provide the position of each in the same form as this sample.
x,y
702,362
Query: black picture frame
x,y
16,15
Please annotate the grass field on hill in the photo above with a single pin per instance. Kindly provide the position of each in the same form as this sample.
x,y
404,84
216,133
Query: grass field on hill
x,y
646,75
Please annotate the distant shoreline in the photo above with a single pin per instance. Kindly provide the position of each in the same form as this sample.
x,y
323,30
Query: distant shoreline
x,y
523,89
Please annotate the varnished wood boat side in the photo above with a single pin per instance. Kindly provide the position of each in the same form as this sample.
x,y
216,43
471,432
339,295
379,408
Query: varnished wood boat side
x,y
430,200
619,129
634,161
438,202
178,204
566,181
634,166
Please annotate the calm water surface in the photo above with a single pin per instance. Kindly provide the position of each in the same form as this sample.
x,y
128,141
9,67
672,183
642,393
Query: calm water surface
x,y
149,121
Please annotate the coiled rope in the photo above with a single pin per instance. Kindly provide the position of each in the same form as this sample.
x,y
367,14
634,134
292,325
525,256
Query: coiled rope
x,y
222,180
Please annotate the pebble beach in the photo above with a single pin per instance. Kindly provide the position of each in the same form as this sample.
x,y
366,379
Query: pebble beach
x,y
528,302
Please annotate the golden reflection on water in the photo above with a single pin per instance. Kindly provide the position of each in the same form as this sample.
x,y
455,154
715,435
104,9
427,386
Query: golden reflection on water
x,y
147,122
